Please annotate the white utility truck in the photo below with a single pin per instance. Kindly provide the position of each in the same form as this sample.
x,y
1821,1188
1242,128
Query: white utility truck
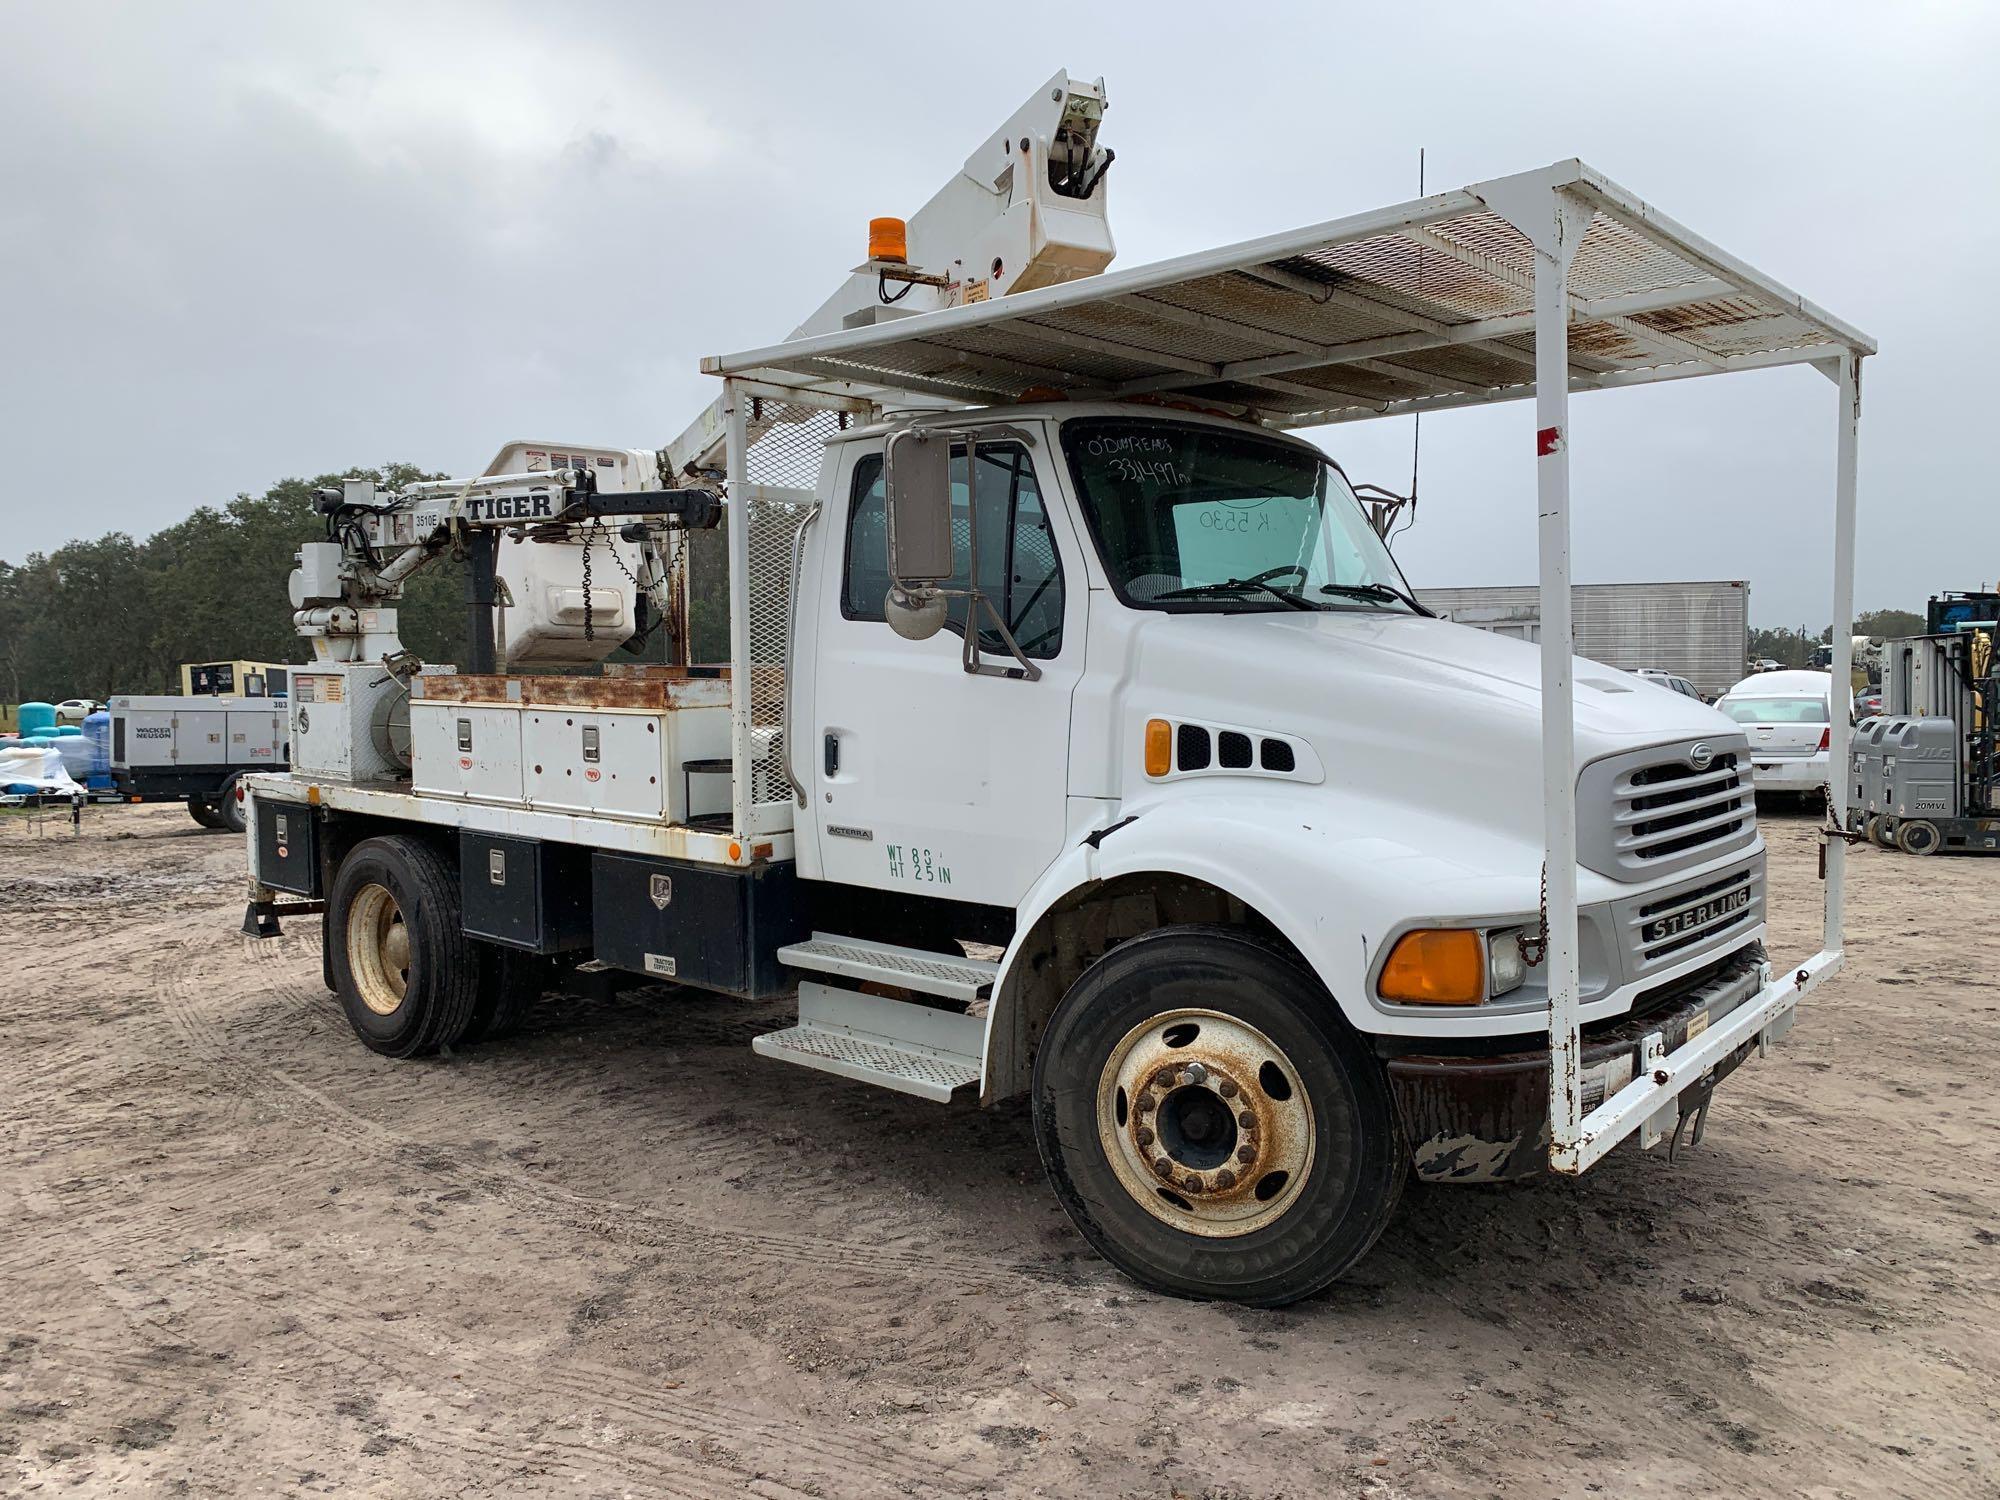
x,y
1019,563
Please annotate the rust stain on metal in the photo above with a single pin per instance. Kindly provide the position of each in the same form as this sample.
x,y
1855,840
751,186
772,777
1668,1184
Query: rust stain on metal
x,y
659,688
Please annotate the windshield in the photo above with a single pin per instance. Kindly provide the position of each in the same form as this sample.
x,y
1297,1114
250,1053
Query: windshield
x,y
1775,710
1202,518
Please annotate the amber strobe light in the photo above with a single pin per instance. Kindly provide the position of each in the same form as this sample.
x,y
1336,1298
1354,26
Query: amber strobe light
x,y
1435,966
1159,747
888,239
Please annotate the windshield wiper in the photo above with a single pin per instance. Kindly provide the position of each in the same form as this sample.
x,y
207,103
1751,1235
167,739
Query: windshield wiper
x,y
1238,586
1375,591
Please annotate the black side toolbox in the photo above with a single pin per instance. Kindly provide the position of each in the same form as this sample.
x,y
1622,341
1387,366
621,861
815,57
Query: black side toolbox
x,y
529,894
288,848
714,926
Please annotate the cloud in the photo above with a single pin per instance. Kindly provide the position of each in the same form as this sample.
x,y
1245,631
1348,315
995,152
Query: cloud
x,y
240,242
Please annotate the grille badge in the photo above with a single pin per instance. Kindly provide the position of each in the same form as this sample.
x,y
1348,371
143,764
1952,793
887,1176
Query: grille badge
x,y
1700,757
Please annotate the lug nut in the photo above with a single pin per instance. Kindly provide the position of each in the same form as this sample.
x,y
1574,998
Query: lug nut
x,y
1164,1078
1227,1088
1247,1120
1164,1167
1224,1180
1246,1154
1195,1185
1146,1103
1195,1073
1144,1136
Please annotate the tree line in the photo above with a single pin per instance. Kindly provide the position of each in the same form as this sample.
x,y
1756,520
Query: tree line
x,y
120,615
1794,647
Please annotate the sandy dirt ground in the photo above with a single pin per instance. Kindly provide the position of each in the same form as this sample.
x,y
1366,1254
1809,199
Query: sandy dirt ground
x,y
621,1255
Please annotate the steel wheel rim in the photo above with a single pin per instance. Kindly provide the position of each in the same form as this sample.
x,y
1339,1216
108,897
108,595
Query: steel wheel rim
x,y
378,949
1162,1097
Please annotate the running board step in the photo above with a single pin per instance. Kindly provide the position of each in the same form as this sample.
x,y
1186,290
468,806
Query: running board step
x,y
890,1043
949,975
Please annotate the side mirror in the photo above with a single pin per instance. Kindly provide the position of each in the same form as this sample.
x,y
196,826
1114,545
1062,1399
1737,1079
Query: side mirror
x,y
914,614
917,482
917,485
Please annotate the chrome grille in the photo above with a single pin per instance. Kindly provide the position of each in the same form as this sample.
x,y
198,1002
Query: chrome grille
x,y
1657,811
1723,905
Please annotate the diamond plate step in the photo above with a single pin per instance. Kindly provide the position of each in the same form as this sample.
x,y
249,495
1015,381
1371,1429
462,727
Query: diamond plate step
x,y
890,1043
949,975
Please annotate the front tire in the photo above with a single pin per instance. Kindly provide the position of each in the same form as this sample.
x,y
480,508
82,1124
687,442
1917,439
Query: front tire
x,y
1211,1122
407,975
203,812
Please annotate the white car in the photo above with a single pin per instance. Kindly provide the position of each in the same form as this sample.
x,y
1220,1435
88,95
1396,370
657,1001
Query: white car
x,y
76,710
1788,720
1672,681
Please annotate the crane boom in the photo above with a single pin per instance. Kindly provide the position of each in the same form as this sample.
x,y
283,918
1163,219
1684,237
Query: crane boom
x,y
1028,208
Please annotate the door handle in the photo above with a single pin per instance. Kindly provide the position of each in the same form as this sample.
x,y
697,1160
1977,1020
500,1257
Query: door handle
x,y
832,755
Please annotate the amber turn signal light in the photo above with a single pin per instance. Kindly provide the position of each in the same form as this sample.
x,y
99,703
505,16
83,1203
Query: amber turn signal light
x,y
1159,747
1435,966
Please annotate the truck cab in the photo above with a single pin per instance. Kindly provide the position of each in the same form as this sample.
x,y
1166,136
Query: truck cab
x,y
1217,703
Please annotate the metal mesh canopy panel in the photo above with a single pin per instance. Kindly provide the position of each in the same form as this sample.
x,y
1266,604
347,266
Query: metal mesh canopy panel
x,y
785,442
1426,304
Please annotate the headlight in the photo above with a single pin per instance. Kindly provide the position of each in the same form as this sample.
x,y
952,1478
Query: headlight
x,y
1505,968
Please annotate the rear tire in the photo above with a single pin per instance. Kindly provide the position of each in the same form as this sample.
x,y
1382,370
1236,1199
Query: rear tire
x,y
1263,1207
1918,837
228,808
509,982
407,975
1885,831
203,812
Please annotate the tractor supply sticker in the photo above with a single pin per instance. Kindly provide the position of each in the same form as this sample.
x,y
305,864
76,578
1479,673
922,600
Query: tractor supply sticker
x,y
918,866
659,963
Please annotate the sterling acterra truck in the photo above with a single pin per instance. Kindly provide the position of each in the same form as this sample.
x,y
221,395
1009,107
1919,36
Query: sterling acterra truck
x,y
1079,738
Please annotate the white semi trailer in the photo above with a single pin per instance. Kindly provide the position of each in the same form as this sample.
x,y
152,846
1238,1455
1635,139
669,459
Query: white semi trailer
x,y
1046,637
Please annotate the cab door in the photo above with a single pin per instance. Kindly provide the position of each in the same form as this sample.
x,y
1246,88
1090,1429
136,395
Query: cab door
x,y
927,777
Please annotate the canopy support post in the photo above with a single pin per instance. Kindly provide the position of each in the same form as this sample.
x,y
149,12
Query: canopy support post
x,y
1846,373
1555,223
736,448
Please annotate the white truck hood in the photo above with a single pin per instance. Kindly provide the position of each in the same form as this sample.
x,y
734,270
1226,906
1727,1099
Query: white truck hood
x,y
1440,718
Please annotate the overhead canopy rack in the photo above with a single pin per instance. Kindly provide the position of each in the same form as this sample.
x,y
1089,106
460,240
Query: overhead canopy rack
x,y
1422,305
1534,285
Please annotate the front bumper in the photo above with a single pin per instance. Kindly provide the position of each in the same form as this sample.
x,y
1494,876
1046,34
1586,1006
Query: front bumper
x,y
1485,1118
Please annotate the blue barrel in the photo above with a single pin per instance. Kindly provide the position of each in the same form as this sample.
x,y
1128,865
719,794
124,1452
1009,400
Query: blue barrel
x,y
75,752
97,729
37,718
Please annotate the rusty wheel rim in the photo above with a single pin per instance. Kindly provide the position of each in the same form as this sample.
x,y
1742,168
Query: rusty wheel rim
x,y
1206,1122
378,949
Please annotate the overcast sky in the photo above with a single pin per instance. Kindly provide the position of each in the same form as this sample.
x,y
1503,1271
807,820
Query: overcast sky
x,y
240,242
